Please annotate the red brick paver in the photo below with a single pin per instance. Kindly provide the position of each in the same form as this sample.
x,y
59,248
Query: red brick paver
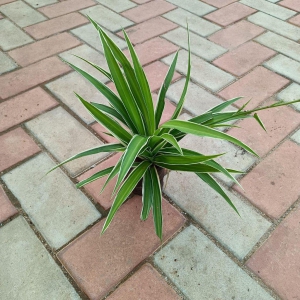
x,y
7,210
98,263
295,20
292,4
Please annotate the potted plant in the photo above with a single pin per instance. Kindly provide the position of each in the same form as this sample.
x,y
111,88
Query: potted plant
x,y
149,148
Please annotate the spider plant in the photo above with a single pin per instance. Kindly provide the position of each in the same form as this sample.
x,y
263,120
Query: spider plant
x,y
145,145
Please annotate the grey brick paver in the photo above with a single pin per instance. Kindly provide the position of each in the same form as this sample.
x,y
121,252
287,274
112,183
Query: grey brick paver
x,y
202,271
6,63
40,3
296,137
28,272
194,6
117,5
292,92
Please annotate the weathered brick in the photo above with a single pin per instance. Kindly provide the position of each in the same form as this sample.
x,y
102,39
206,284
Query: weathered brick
x,y
292,4
6,63
119,5
194,6
295,20
291,93
40,3
7,210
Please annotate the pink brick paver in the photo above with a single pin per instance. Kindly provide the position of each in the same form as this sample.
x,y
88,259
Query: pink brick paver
x,y
16,145
23,107
6,1
219,3
44,48
244,58
230,14
292,4
277,262
236,34
273,184
146,284
258,85
295,20
98,263
147,11
7,210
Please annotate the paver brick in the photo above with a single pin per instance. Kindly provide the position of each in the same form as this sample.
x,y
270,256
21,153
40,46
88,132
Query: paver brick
x,y
270,8
55,206
219,3
202,72
292,92
5,1
33,274
12,36
30,76
280,44
194,6
90,35
296,137
197,267
6,63
16,146
119,5
146,284
40,3
292,4
196,24
168,109
149,29
238,233
277,260
284,66
100,131
295,20
22,14
7,210
276,25
98,263
141,1
244,58
236,34
230,14
199,45
258,85
65,7
147,11
275,121
64,137
44,48
55,25
24,107
106,18
272,185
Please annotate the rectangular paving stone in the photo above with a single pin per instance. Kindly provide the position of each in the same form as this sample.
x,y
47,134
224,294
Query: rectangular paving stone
x,y
237,233
5,1
89,35
100,130
117,5
64,137
296,137
6,63
196,24
270,8
281,246
55,206
295,20
284,66
44,48
22,14
147,11
55,25
149,29
23,107
259,85
98,262
106,18
236,34
146,283
7,210
40,3
230,14
276,25
199,45
11,36
272,184
219,3
292,92
30,76
33,272
202,72
292,4
65,7
280,44
197,267
16,145
244,58
196,7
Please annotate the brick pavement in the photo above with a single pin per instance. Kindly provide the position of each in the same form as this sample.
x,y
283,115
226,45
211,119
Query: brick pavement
x,y
49,230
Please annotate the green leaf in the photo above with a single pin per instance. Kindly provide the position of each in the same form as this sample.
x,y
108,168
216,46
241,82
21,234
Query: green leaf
x,y
147,195
157,202
168,138
96,150
109,110
223,105
200,167
200,130
125,190
257,118
214,185
94,177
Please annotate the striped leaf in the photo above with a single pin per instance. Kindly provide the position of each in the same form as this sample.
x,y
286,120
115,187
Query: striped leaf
x,y
147,197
